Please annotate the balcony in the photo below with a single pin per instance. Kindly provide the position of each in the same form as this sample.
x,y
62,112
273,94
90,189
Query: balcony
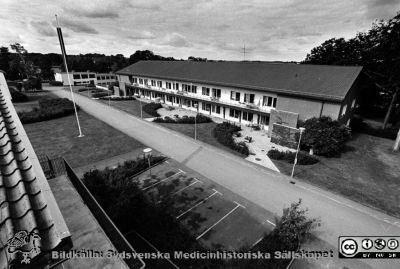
x,y
213,99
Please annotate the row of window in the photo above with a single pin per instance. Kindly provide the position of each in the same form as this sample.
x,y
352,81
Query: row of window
x,y
86,76
215,93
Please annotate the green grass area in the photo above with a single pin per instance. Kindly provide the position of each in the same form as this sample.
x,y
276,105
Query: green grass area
x,y
204,133
367,173
58,137
131,106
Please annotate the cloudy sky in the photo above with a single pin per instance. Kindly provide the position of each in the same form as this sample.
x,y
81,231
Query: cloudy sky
x,y
215,29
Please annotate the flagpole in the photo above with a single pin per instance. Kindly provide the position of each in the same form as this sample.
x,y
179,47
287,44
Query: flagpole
x,y
66,70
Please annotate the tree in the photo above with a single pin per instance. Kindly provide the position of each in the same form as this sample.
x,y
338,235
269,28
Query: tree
x,y
4,59
324,136
378,50
26,68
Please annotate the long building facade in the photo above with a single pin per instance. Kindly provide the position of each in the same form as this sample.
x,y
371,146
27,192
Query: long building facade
x,y
245,92
85,78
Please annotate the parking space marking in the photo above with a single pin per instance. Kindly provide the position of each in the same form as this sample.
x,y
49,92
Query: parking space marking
x,y
221,219
270,222
188,186
161,181
178,191
258,241
181,171
199,203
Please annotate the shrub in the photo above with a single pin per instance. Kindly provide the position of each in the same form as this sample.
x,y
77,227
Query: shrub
x,y
325,136
151,109
48,109
358,125
288,156
224,132
55,83
184,119
18,96
119,98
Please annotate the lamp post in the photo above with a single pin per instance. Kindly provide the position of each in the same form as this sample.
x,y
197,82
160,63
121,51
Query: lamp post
x,y
298,148
147,154
195,122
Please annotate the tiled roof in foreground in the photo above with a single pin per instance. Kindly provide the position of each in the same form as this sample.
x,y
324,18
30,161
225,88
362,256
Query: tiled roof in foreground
x,y
326,82
25,202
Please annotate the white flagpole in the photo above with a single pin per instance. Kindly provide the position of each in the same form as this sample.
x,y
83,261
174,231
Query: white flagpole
x,y
69,80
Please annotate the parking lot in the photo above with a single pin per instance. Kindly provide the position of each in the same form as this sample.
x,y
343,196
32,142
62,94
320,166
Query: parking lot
x,y
218,218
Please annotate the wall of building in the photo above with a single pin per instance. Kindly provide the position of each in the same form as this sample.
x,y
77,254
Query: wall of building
x,y
349,103
306,108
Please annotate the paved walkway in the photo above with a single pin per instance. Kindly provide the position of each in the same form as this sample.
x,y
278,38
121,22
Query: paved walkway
x,y
268,189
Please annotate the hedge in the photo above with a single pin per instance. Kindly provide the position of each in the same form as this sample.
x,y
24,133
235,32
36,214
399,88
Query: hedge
x,y
224,132
288,156
119,98
151,109
18,97
48,109
184,119
55,83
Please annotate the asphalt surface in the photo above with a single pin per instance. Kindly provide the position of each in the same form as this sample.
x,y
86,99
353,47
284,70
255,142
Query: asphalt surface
x,y
273,191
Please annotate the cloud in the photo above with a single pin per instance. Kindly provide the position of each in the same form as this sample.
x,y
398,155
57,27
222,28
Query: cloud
x,y
138,35
382,9
102,12
176,40
77,26
44,28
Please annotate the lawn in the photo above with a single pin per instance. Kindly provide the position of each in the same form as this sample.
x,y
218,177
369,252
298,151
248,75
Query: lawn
x,y
58,137
131,106
204,133
367,173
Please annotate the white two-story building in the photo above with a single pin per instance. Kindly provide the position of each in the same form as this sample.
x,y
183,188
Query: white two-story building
x,y
85,78
245,92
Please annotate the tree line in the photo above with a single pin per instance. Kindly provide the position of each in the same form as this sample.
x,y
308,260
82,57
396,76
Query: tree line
x,y
18,63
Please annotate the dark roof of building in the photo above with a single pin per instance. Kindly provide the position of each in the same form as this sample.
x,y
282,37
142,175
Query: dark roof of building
x,y
26,206
313,81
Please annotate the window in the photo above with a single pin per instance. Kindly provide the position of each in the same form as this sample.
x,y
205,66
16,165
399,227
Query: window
x,y
234,113
77,76
194,89
354,103
176,86
146,82
269,101
235,96
205,91
205,107
140,81
186,87
216,109
216,93
247,116
169,98
135,80
92,75
168,85
84,76
153,82
108,77
159,83
344,110
249,98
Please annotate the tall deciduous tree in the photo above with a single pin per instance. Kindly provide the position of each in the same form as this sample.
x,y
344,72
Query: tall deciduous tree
x,y
378,50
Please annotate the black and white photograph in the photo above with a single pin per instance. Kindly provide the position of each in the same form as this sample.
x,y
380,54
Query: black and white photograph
x,y
207,134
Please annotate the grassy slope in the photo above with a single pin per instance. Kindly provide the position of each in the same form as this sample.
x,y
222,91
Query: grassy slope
x,y
369,173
